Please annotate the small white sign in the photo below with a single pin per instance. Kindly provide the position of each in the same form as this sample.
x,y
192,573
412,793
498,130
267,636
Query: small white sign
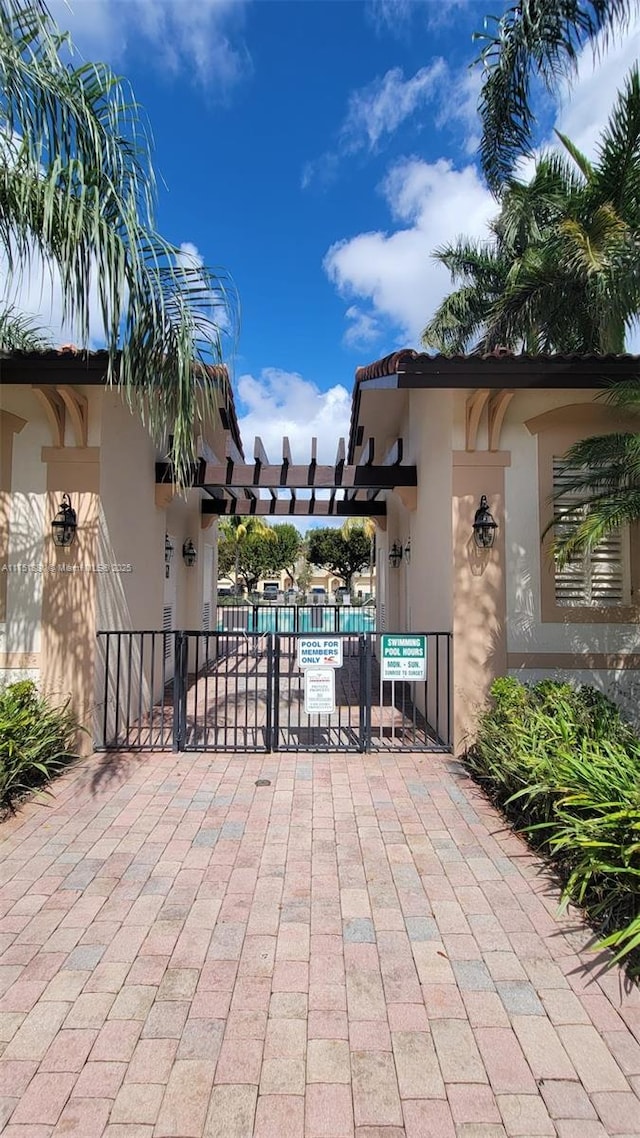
x,y
320,652
319,691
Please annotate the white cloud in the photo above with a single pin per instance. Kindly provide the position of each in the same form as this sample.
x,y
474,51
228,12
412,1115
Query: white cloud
x,y
381,107
375,112
280,403
394,273
199,38
587,102
459,106
396,16
363,330
391,275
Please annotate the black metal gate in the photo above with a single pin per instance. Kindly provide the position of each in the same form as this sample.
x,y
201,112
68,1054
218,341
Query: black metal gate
x,y
245,691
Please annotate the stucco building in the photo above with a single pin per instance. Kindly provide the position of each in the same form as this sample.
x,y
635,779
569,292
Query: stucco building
x,y
63,432
496,425
430,436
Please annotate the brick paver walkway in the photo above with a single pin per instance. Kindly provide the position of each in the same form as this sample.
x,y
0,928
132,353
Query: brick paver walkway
x,y
357,949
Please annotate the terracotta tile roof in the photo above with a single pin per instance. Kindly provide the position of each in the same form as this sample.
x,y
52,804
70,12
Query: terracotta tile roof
x,y
45,366
501,368
409,361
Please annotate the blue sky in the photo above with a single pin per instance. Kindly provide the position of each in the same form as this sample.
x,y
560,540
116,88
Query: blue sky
x,y
318,151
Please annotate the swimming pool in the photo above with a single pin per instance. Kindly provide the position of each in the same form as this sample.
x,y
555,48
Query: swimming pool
x,y
295,618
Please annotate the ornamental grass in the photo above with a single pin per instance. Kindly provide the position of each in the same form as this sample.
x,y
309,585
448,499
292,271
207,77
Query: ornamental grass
x,y
564,767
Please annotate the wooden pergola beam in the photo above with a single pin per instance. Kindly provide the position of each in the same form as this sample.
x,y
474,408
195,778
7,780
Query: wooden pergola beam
x,y
241,476
279,507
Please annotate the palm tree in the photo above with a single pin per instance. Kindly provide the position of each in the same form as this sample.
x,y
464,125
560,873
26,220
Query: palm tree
x,y
77,189
560,269
236,529
533,38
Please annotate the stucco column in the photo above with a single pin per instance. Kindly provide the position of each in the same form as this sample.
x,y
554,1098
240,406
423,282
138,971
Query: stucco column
x,y
10,425
479,591
69,588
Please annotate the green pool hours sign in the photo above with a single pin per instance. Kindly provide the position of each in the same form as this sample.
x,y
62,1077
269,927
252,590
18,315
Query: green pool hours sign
x,y
404,657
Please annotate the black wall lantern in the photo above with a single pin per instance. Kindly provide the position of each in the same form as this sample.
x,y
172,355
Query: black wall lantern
x,y
407,552
484,525
189,553
395,554
64,525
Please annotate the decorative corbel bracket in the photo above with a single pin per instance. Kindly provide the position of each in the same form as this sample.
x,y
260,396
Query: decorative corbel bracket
x,y
474,407
498,405
76,405
54,409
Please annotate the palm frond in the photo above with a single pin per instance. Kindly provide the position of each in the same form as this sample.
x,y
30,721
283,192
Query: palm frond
x,y
617,172
582,162
533,37
20,333
77,187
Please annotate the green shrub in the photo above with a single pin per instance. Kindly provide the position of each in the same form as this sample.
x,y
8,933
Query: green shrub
x,y
36,740
565,768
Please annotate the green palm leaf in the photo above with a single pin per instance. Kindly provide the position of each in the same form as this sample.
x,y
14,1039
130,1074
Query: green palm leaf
x,y
77,187
533,38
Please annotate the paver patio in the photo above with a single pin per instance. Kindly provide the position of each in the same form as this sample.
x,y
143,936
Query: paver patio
x,y
359,948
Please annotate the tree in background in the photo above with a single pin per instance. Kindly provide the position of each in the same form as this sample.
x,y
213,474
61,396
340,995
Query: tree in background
x,y
77,189
288,547
368,527
343,554
256,549
233,536
305,573
539,38
560,271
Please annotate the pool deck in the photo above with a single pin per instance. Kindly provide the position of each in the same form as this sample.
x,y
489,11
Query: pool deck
x,y
359,949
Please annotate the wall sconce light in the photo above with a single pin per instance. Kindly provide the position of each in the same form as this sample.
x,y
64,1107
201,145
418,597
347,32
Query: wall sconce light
x,y
189,553
395,555
64,525
407,552
484,525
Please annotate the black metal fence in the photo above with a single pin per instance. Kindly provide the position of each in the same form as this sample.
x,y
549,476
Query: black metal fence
x,y
245,690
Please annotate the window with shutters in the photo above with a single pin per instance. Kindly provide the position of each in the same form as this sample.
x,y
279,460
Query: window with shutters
x,y
599,578
602,587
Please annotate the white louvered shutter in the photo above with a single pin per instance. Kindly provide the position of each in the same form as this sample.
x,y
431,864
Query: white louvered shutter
x,y
167,625
598,579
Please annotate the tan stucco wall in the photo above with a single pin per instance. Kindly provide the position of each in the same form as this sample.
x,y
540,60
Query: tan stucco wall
x,y
479,600
113,576
24,509
428,577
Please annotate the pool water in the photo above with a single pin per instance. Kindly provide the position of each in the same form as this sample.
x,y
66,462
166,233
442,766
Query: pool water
x,y
312,619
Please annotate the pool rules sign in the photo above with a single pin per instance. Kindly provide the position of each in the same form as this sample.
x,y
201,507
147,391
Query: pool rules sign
x,y
404,657
319,691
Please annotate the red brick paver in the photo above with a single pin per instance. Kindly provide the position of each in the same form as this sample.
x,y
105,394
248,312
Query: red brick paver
x,y
359,949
